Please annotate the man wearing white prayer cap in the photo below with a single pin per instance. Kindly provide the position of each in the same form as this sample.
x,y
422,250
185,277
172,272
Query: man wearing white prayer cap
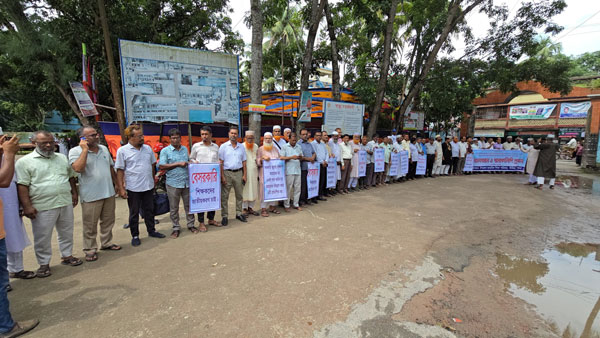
x,y
278,140
250,193
286,133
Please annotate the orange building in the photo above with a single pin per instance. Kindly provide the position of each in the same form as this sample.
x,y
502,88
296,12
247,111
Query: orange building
x,y
534,111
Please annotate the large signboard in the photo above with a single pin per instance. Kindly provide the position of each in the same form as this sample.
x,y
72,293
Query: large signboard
x,y
345,115
531,112
414,121
574,110
205,187
164,83
499,160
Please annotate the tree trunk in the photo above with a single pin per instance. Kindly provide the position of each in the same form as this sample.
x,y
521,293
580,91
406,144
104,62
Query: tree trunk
x,y
335,67
383,72
315,18
112,71
454,16
256,68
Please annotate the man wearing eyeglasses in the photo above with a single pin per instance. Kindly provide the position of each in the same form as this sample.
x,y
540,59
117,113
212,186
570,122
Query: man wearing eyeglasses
x,y
97,179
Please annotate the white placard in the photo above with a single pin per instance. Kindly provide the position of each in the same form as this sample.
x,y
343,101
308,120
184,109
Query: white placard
x,y
379,160
312,179
274,180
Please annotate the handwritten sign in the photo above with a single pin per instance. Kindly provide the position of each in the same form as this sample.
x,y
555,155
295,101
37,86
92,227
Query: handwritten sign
x,y
274,180
331,172
362,163
468,163
205,187
394,164
403,162
379,159
421,164
312,179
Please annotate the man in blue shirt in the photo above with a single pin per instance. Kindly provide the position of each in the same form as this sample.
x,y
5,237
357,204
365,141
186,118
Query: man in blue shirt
x,y
308,155
174,159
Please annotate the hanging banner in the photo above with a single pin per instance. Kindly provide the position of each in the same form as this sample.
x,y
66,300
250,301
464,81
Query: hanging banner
x,y
362,163
84,102
394,164
305,108
531,112
468,163
312,179
403,162
421,164
274,180
379,159
205,187
499,160
331,172
257,108
574,110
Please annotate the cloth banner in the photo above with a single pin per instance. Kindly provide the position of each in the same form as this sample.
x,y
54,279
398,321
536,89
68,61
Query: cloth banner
x,y
379,159
468,163
274,180
499,160
403,162
362,163
331,172
574,110
421,164
312,179
394,164
531,112
205,187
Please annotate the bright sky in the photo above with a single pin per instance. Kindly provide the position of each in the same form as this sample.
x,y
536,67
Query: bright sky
x,y
581,22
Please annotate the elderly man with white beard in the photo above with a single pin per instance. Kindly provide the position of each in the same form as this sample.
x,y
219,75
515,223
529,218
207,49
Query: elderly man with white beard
x,y
47,191
266,153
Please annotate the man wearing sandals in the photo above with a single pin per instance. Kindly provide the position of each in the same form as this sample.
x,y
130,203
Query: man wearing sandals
x,y
174,159
47,191
266,152
97,179
8,327
205,152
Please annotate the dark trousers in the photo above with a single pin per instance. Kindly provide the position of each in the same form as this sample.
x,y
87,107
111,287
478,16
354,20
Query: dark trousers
x,y
140,200
322,180
6,321
303,186
430,160
454,167
211,216
343,183
412,169
371,174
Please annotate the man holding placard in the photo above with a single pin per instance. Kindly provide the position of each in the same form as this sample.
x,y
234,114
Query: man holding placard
x,y
266,153
205,152
322,156
291,153
232,157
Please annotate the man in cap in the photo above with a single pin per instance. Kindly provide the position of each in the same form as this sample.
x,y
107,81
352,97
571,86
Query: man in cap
x,y
278,139
286,134
546,162
335,152
437,163
354,172
266,153
509,144
250,193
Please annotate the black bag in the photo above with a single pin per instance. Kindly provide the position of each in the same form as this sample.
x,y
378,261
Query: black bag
x,y
161,204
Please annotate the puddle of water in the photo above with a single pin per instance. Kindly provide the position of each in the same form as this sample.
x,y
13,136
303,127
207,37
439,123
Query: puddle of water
x,y
564,287
584,184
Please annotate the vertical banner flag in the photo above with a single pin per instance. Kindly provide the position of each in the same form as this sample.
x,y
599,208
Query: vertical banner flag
x,y
394,164
421,164
468,163
84,102
305,109
403,162
362,163
274,180
205,187
312,179
379,159
331,172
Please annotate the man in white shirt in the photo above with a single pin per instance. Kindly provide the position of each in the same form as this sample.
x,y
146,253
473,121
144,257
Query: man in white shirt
x,y
455,155
206,152
278,139
431,149
97,179
462,145
322,156
509,144
370,147
335,150
232,157
135,175
437,164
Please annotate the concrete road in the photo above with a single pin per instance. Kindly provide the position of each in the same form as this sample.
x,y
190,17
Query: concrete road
x,y
396,261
